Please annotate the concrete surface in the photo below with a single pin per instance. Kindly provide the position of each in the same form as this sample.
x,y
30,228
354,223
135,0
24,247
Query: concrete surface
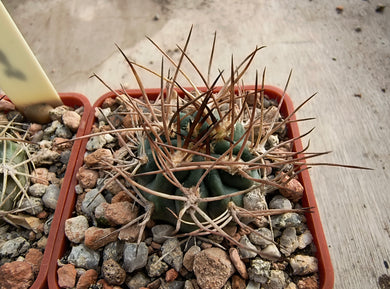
x,y
345,57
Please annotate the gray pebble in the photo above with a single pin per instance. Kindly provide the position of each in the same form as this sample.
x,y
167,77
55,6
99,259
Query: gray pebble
x,y
13,248
253,285
57,112
255,200
303,265
289,241
280,202
273,140
75,228
305,239
64,132
286,220
259,270
102,114
271,252
49,132
156,267
175,284
37,190
188,285
65,156
173,255
50,198
96,142
79,190
246,253
138,280
277,280
82,256
47,224
92,199
134,256
37,137
261,237
114,251
32,205
46,157
161,232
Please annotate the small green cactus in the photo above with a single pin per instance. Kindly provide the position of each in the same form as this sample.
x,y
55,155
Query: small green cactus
x,y
13,174
14,169
194,157
217,182
199,154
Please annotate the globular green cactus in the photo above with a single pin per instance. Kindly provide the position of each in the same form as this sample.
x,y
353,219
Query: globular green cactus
x,y
217,182
13,174
198,154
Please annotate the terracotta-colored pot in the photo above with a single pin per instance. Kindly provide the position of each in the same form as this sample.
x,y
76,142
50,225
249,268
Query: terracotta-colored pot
x,y
73,100
308,200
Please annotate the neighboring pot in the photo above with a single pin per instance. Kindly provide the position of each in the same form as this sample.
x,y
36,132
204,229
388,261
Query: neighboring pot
x,y
73,100
313,219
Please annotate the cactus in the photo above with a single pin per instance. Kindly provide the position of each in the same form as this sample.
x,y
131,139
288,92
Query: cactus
x,y
194,158
14,169
198,155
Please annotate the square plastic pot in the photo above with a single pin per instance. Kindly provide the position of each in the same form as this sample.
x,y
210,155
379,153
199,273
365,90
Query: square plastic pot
x,y
73,100
313,219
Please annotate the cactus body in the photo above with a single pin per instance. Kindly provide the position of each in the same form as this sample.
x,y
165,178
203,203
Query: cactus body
x,y
12,174
218,182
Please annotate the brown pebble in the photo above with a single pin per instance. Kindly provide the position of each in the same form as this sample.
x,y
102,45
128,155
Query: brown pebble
x,y
231,230
206,245
238,263
339,9
155,245
96,238
105,284
42,215
87,178
308,282
121,213
171,275
72,120
131,234
122,196
98,158
128,121
61,144
113,273
40,176
293,189
154,285
34,257
212,268
34,128
67,276
238,282
87,279
188,259
17,274
31,236
108,102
